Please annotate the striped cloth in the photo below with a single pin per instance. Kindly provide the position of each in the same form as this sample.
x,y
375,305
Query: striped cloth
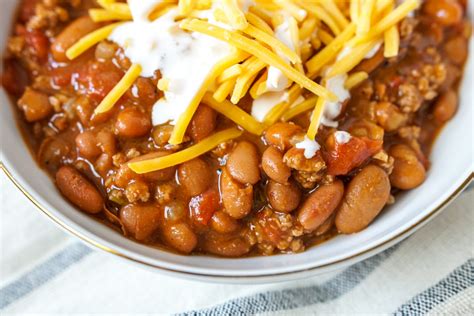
x,y
43,270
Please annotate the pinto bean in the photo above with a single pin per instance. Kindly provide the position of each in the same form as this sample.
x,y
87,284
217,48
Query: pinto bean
x,y
222,223
366,195
445,107
77,189
140,220
70,35
283,197
243,163
195,176
273,165
106,142
86,144
180,236
203,123
456,49
237,198
320,204
282,135
408,172
132,122
226,247
35,105
446,12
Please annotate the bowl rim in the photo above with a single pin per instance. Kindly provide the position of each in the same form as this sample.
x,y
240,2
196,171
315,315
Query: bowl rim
x,y
376,248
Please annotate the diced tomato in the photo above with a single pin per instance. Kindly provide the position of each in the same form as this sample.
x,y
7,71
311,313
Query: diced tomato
x,y
342,158
39,44
97,79
203,206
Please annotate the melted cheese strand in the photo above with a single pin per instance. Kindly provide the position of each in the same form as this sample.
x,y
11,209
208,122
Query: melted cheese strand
x,y
316,119
300,108
348,62
118,8
365,17
119,90
187,154
258,22
102,15
235,114
328,53
90,40
271,41
389,20
355,79
259,51
392,42
224,90
233,13
182,123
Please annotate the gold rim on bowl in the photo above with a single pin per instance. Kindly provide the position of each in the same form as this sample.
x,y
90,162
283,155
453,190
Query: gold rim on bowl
x,y
102,247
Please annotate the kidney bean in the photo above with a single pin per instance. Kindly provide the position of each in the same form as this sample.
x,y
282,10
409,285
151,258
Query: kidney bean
x,y
203,123
140,220
282,135
283,197
366,195
320,204
408,172
445,106
222,223
70,35
86,144
195,176
226,247
131,122
180,236
237,198
326,226
456,49
77,189
446,12
159,175
35,105
243,162
273,165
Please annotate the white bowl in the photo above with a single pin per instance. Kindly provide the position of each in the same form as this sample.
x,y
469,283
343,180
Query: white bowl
x,y
451,171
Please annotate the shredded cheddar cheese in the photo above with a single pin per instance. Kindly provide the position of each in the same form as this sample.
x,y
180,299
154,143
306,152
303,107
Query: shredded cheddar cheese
x,y
119,90
90,40
329,38
187,154
235,113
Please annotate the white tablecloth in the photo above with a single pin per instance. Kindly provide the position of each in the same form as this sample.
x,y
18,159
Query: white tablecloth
x,y
44,270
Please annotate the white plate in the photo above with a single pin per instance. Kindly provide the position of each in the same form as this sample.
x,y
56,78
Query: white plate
x,y
451,170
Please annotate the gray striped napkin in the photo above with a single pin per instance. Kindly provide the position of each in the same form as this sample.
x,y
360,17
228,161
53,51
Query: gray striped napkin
x,y
43,270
